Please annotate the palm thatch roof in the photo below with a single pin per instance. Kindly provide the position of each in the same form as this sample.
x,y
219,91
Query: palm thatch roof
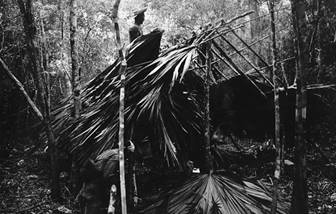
x,y
164,95
164,103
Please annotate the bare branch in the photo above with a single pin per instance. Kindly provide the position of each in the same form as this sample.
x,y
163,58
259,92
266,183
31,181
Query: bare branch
x,y
19,85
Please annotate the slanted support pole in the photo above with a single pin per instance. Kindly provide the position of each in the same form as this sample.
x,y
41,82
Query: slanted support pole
x,y
247,60
228,61
250,48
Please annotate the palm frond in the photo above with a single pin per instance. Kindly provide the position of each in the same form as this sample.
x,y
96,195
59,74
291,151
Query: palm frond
x,y
211,194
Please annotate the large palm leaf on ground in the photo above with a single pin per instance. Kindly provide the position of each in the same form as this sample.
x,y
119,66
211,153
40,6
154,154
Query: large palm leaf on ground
x,y
215,194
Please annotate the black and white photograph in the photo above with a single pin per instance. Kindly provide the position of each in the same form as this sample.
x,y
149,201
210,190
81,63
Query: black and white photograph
x,y
167,106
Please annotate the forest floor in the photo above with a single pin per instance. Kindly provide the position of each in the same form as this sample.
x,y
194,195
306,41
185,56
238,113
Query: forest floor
x,y
24,186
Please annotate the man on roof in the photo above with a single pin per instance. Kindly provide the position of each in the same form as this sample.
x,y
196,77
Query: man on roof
x,y
136,30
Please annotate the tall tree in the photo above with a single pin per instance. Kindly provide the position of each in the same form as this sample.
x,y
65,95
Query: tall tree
x,y
42,87
74,59
299,197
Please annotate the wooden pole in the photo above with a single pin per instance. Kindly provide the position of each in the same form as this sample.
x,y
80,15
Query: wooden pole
x,y
121,108
277,170
121,138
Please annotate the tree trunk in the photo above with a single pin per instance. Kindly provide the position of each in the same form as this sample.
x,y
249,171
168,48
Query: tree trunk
x,y
74,59
277,171
299,197
30,32
65,74
121,107
207,132
32,50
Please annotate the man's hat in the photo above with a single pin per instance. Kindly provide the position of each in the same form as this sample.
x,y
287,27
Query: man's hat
x,y
138,12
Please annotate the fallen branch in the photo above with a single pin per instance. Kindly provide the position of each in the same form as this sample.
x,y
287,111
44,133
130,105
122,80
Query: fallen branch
x,y
19,85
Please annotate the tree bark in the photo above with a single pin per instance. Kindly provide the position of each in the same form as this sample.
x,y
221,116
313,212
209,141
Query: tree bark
x,y
299,196
74,59
275,67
